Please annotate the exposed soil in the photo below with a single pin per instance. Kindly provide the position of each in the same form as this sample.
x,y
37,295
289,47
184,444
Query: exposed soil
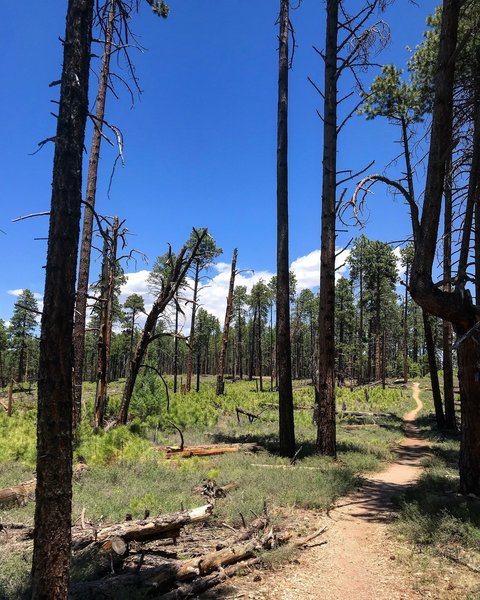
x,y
356,558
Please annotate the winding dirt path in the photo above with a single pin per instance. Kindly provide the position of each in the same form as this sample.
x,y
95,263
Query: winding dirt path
x,y
357,562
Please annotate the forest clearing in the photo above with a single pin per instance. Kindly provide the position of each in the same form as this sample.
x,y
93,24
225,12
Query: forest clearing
x,y
222,421
393,541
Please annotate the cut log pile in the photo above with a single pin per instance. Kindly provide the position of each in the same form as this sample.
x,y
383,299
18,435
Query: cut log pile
x,y
137,565
172,578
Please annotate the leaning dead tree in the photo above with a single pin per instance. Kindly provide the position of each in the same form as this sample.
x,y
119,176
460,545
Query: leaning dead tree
x,y
173,279
52,534
226,328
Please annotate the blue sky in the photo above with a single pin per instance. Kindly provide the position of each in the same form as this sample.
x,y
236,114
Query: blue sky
x,y
200,143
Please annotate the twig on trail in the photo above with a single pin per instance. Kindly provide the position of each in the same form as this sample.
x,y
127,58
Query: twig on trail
x,y
303,543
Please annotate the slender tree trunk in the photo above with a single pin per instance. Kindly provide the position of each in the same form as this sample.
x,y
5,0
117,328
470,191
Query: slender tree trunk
x,y
226,328
284,360
192,328
197,386
240,347
405,327
325,392
259,349
384,362
272,357
53,506
432,362
447,332
175,351
86,244
105,337
252,345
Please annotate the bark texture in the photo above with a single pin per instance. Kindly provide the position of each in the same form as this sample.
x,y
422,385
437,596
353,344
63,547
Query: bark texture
x,y
86,243
284,360
52,535
226,328
325,390
456,307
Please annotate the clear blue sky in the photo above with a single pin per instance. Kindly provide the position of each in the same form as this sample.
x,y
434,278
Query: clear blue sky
x,y
200,143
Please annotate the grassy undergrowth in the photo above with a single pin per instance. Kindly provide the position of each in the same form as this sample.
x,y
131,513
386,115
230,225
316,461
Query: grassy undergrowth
x,y
434,515
127,473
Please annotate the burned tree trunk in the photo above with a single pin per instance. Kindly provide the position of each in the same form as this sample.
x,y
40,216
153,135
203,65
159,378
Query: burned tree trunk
x,y
283,359
109,269
447,331
192,328
226,328
432,365
52,534
86,244
325,388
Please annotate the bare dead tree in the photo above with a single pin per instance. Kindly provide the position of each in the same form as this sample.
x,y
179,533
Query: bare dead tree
x,y
52,532
283,348
88,218
107,292
350,40
226,328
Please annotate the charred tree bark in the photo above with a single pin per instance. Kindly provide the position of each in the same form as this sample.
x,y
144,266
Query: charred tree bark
x,y
86,244
447,332
252,345
432,364
284,360
105,337
175,351
192,328
226,328
52,534
325,390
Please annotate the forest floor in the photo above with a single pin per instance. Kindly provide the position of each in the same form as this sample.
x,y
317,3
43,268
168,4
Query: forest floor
x,y
359,557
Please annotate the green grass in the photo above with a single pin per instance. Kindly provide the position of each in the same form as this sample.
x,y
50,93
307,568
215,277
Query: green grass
x,y
434,515
127,474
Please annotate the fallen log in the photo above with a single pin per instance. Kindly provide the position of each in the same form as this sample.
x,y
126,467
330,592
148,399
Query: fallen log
x,y
251,416
160,577
23,492
291,467
99,559
18,494
257,525
161,527
208,450
202,584
361,413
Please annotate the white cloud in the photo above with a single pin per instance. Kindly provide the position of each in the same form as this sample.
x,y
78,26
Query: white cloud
x,y
307,268
213,295
19,292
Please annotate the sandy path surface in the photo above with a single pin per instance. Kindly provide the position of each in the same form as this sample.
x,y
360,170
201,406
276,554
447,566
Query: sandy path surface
x,y
357,562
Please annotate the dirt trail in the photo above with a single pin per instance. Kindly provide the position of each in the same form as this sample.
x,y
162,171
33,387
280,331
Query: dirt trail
x,y
357,562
